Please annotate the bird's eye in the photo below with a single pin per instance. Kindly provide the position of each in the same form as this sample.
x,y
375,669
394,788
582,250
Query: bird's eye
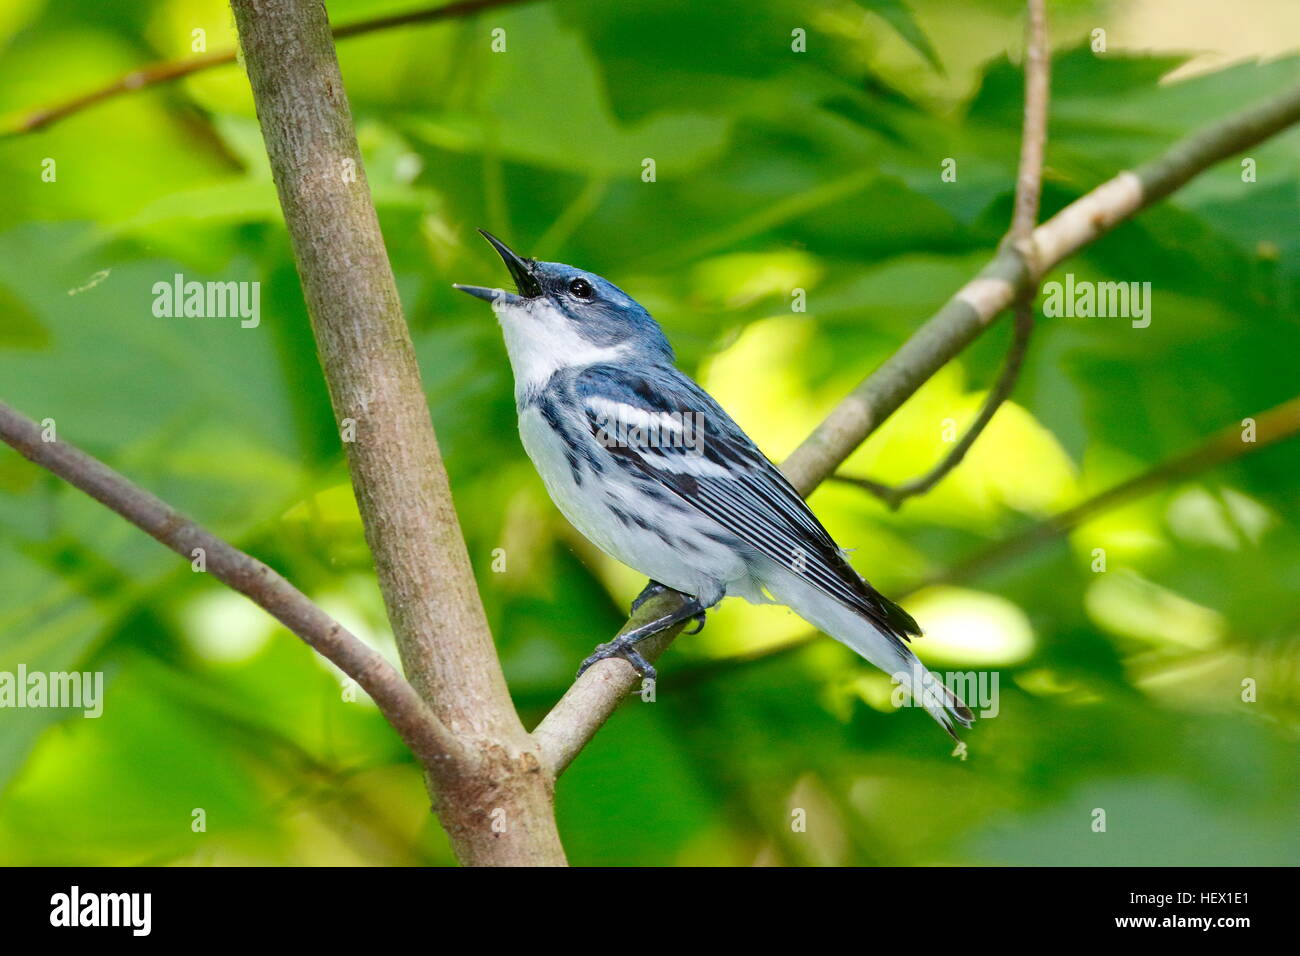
x,y
581,288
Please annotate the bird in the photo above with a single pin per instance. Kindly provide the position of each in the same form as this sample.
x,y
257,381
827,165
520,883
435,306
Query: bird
x,y
651,469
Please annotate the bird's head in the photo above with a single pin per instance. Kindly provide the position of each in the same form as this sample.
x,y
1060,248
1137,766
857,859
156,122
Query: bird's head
x,y
559,316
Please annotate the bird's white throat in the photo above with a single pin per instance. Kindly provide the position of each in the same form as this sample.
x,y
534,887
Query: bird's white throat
x,y
541,340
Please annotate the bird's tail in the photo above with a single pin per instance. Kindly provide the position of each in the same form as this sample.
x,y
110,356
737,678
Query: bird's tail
x,y
882,648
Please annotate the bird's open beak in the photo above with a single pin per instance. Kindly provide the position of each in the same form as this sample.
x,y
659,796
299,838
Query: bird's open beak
x,y
520,270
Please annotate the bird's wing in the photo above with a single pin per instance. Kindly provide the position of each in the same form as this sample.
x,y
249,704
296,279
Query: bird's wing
x,y
658,423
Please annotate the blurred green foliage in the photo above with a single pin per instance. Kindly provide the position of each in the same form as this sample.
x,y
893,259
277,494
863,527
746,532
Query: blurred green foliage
x,y
775,170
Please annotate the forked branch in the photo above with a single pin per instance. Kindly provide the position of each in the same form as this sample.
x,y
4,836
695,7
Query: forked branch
x,y
1020,240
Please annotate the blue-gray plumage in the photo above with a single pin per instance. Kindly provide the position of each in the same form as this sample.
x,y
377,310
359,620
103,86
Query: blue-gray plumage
x,y
651,469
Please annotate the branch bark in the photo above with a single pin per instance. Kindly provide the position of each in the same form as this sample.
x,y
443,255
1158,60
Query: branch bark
x,y
429,739
1033,134
502,811
591,699
166,71
1020,237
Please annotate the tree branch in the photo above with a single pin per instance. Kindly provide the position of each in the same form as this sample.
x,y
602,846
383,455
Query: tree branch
x,y
1277,424
502,813
591,699
1029,187
1033,135
424,733
975,306
166,71
895,495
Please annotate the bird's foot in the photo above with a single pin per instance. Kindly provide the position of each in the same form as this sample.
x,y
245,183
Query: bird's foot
x,y
647,592
624,645
653,589
619,647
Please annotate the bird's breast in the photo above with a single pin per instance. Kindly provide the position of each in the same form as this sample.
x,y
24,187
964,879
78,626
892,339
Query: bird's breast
x,y
565,459
656,536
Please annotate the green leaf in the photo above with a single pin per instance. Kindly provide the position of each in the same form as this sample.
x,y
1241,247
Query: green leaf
x,y
899,16
19,327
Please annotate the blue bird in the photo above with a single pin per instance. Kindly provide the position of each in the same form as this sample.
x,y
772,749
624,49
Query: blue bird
x,y
645,464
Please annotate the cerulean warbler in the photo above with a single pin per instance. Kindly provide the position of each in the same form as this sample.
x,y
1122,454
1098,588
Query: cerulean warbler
x,y
650,468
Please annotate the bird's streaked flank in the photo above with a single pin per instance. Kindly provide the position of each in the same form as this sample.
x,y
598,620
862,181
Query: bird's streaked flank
x,y
650,468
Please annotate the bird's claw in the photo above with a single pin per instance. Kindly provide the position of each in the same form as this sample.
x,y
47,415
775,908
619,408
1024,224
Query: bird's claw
x,y
624,645
654,589
628,652
650,590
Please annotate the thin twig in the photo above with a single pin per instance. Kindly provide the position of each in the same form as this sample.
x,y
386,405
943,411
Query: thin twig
x,y
591,699
427,737
1033,137
166,71
1020,238
1270,427
895,495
